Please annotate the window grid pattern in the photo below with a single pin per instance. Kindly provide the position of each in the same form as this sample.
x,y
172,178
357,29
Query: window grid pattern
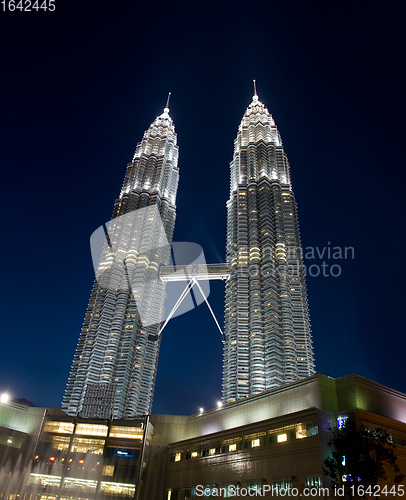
x,y
244,443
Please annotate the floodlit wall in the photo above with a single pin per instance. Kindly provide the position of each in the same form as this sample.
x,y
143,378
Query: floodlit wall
x,y
19,429
259,441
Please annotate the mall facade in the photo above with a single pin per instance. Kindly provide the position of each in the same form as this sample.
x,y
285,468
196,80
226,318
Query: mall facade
x,y
275,440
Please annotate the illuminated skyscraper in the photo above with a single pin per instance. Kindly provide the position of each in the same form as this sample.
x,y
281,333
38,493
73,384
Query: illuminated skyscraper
x,y
268,339
115,364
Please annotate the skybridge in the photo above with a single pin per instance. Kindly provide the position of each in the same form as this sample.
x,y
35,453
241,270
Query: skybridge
x,y
191,274
194,271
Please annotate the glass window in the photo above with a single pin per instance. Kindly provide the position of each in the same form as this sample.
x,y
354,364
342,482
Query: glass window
x,y
254,489
232,447
255,443
87,445
126,432
301,433
44,480
59,427
91,429
189,494
282,438
209,490
14,442
178,456
60,443
81,485
314,481
295,431
232,440
230,490
119,489
257,435
108,470
283,484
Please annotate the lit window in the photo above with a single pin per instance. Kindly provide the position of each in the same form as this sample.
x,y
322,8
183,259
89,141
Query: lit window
x,y
282,438
91,429
212,451
44,480
126,432
194,454
284,484
301,433
59,427
83,485
254,489
85,445
108,470
178,456
232,447
60,443
314,481
11,441
119,489
255,443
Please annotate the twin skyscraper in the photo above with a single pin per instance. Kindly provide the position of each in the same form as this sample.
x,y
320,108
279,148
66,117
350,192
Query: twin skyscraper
x,y
267,335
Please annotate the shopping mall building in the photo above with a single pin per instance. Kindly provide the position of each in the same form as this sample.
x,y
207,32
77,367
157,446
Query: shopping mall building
x,y
270,442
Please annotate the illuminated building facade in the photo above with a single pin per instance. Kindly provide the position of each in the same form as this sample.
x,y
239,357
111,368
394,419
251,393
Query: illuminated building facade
x,y
114,368
88,459
275,440
268,339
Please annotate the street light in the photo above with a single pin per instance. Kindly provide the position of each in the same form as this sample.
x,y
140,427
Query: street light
x,y
4,398
219,404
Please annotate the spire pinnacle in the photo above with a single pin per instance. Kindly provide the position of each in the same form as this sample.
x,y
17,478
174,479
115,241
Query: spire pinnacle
x,y
255,96
167,103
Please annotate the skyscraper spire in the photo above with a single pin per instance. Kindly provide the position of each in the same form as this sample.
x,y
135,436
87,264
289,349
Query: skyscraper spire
x,y
255,89
267,327
167,102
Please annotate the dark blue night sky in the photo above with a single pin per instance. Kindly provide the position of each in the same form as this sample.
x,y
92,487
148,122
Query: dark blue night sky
x,y
78,88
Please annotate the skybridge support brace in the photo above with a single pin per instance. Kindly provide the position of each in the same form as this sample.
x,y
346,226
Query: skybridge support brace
x,y
192,275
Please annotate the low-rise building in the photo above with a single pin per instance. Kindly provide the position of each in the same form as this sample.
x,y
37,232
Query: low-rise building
x,y
275,440
260,445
